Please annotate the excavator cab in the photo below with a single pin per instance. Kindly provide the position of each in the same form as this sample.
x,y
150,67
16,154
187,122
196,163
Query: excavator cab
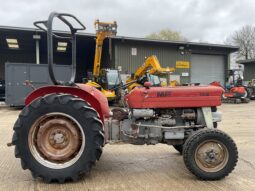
x,y
235,91
154,79
109,78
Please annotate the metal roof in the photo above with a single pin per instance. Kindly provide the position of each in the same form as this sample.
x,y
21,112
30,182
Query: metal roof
x,y
183,43
187,43
248,61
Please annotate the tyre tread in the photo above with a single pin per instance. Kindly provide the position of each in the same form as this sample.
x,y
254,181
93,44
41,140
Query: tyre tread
x,y
64,99
194,138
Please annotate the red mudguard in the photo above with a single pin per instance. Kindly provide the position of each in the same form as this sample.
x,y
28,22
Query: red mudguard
x,y
90,94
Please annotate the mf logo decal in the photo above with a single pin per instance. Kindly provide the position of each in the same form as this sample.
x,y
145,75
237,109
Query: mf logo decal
x,y
163,94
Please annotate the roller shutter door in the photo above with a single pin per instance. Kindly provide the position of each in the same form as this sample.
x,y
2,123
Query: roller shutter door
x,y
207,68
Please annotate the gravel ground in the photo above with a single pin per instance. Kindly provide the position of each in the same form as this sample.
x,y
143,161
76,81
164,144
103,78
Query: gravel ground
x,y
130,167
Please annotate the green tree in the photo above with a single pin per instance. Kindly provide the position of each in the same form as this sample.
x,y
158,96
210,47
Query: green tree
x,y
245,39
166,34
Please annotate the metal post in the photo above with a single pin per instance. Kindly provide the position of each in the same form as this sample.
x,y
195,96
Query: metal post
x,y
37,52
110,49
110,52
37,47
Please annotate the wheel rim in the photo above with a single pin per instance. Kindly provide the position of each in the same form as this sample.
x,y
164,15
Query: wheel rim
x,y
56,140
223,96
245,94
211,156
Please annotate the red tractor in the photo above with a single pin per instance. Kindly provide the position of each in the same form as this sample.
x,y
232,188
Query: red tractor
x,y
60,133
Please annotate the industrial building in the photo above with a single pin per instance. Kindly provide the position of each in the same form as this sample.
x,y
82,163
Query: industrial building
x,y
249,69
194,62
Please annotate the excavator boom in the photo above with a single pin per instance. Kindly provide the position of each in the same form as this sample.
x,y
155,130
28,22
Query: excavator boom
x,y
151,66
103,30
104,79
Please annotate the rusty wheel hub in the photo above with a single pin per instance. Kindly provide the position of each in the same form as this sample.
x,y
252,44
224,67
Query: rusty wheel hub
x,y
211,156
56,140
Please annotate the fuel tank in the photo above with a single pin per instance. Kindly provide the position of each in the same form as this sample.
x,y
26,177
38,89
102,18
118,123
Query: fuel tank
x,y
174,97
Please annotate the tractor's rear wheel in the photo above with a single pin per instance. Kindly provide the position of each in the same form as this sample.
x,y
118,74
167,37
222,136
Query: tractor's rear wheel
x,y
210,154
58,137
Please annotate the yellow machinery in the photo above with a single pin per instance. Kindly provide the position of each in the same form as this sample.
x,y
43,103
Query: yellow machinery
x,y
104,79
149,71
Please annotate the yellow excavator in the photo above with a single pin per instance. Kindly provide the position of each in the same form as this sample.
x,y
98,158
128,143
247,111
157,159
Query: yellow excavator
x,y
104,79
150,71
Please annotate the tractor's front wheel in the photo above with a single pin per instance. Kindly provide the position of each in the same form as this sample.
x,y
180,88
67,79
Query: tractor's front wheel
x,y
210,154
58,137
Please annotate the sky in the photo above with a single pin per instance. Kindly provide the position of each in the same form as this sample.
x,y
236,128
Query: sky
x,y
209,21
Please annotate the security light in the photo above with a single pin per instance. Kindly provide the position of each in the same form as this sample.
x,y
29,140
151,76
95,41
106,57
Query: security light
x,y
61,49
12,41
13,46
62,44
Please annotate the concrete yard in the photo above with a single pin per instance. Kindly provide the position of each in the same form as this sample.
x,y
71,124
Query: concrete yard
x,y
130,167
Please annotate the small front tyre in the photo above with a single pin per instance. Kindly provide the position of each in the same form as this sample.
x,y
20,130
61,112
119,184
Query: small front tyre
x,y
210,154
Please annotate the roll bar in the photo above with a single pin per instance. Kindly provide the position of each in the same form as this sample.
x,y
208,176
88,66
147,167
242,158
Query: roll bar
x,y
47,26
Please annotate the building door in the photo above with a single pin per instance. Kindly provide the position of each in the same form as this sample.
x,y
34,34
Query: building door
x,y
207,68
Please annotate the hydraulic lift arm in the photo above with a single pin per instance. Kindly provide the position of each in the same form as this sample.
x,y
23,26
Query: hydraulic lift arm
x,y
103,30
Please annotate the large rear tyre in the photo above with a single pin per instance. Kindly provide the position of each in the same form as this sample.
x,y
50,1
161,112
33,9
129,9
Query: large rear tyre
x,y
58,137
210,154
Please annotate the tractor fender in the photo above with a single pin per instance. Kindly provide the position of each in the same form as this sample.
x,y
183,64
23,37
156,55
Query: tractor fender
x,y
90,94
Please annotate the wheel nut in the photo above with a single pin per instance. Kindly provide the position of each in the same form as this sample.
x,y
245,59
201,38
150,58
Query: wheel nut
x,y
211,155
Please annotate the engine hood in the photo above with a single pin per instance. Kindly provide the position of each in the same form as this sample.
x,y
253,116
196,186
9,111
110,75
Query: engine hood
x,y
175,97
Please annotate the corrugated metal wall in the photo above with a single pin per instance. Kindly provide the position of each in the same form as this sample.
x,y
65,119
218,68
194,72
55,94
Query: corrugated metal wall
x,y
167,56
249,71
